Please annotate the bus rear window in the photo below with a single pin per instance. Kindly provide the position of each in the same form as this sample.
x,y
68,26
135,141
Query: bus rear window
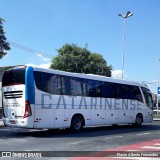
x,y
14,77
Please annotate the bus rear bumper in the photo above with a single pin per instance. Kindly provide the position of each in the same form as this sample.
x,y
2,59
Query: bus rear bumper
x,y
17,123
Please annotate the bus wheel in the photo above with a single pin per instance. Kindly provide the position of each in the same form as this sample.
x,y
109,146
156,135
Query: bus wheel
x,y
139,120
77,123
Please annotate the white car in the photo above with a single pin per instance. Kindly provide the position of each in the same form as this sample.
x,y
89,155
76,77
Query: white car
x,y
155,111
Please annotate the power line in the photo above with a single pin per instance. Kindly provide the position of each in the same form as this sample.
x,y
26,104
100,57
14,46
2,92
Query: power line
x,y
28,49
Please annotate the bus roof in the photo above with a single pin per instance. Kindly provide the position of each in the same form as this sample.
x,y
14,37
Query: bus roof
x,y
89,76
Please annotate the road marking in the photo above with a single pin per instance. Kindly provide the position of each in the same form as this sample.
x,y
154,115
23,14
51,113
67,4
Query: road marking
x,y
151,147
138,148
27,150
157,144
114,137
141,134
78,142
132,150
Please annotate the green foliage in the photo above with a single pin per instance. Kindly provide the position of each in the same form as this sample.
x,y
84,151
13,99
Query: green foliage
x,y
4,45
72,58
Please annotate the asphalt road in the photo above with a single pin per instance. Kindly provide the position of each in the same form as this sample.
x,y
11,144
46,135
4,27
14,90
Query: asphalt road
x,y
90,139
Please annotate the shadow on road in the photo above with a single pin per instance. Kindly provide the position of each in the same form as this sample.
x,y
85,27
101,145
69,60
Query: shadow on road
x,y
86,132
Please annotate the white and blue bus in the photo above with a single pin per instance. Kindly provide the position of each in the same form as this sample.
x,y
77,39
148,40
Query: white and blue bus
x,y
44,98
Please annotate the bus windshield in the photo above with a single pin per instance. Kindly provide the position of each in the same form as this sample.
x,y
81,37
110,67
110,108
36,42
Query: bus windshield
x,y
14,77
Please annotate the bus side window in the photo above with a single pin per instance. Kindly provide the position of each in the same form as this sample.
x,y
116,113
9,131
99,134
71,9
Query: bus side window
x,y
92,88
108,90
66,85
72,86
126,91
47,82
148,97
118,91
76,86
55,84
137,94
38,80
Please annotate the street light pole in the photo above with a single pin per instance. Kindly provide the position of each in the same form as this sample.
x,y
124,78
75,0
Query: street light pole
x,y
124,33
158,85
128,14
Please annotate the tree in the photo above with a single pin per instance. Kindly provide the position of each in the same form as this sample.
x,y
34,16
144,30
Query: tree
x,y
72,58
4,45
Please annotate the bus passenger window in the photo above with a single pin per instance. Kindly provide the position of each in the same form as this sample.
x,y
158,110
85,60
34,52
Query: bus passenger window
x,y
72,86
66,85
137,94
76,87
47,82
108,90
148,97
92,88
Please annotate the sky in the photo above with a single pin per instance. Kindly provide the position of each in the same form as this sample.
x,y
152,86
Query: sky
x,y
45,26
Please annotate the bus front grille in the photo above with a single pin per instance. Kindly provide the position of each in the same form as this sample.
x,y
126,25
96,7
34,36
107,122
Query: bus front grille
x,y
13,94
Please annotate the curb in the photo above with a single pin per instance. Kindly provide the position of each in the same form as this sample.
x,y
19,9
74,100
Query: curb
x,y
156,119
1,120
1,123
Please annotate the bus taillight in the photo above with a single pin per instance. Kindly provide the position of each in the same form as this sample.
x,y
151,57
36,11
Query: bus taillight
x,y
28,111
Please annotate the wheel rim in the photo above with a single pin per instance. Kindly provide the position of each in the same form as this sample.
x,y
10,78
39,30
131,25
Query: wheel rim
x,y
138,120
77,124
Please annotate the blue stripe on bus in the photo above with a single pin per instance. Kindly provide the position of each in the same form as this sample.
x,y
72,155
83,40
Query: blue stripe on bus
x,y
30,90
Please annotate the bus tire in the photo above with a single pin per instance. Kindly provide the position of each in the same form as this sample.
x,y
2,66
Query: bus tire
x,y
138,120
77,123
